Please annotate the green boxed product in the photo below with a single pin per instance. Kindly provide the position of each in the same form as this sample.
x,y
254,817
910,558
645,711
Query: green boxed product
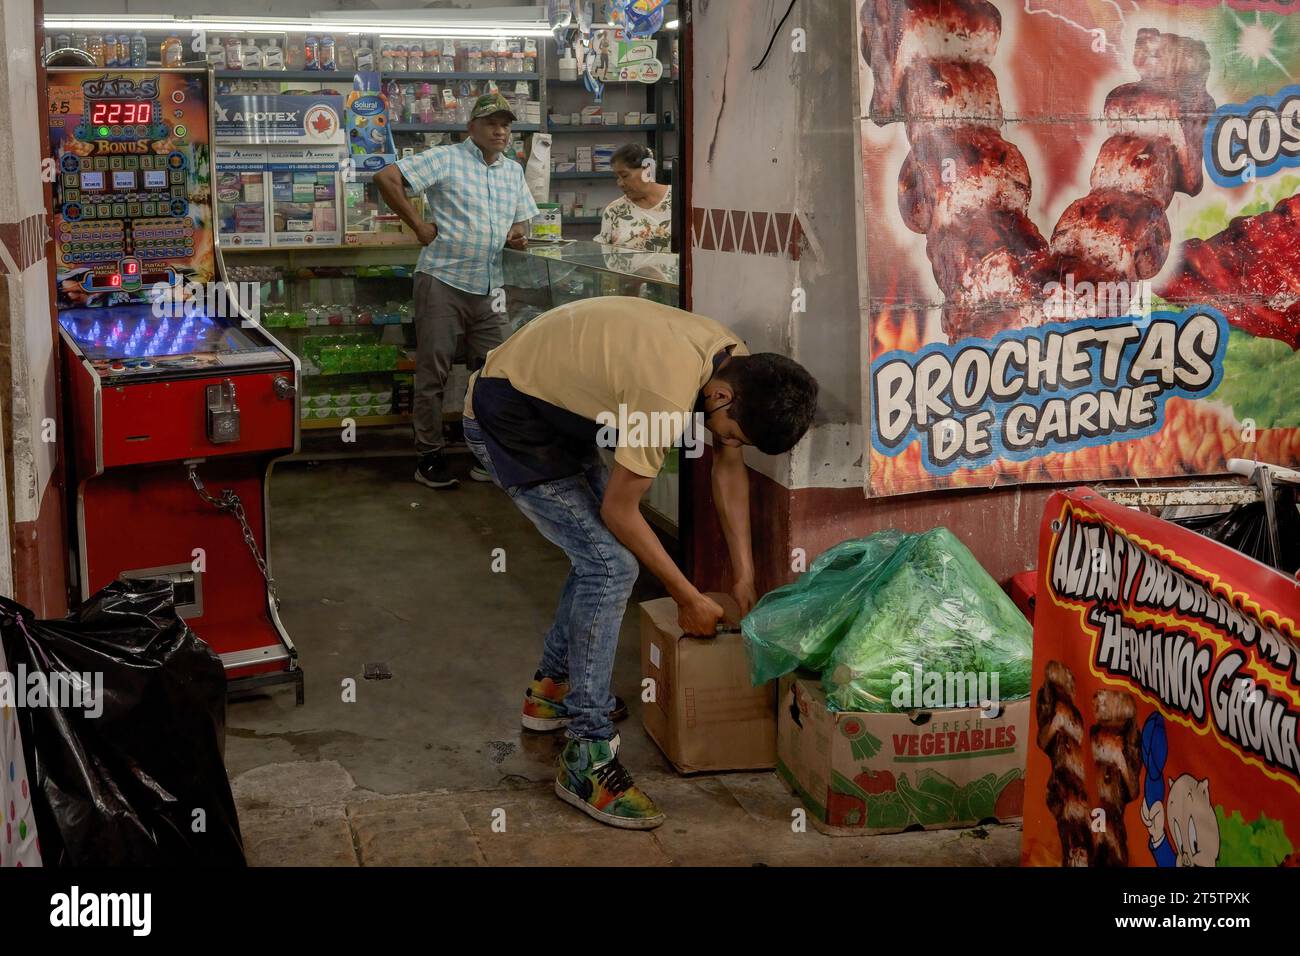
x,y
330,360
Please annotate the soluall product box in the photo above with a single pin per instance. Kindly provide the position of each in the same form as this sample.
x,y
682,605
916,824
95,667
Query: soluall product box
x,y
866,773
704,714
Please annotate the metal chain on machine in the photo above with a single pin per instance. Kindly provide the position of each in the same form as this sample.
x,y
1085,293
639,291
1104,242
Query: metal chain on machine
x,y
229,501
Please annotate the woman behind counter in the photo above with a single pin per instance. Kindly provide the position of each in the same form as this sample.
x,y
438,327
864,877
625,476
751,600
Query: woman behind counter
x,y
642,218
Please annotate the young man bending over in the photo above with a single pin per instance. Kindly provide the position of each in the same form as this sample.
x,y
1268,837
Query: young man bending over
x,y
534,417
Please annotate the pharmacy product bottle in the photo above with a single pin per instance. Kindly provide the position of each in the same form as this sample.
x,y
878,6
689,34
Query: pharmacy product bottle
x,y
234,53
311,54
326,50
415,58
365,57
250,55
95,47
426,103
172,52
272,56
216,53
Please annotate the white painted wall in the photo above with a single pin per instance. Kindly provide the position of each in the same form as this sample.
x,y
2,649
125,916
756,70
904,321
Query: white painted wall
x,y
775,139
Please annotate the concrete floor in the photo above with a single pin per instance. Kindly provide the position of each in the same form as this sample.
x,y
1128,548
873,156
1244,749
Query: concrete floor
x,y
431,767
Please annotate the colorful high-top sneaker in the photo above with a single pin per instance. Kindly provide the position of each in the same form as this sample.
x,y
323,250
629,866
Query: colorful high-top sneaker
x,y
544,705
591,779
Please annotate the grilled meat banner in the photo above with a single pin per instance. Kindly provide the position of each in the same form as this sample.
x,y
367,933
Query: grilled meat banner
x,y
1165,697
1081,239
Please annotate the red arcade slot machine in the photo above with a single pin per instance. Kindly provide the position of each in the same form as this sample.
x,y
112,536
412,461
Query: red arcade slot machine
x,y
178,401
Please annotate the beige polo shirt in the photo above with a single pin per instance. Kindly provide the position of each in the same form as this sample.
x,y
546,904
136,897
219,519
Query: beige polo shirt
x,y
617,355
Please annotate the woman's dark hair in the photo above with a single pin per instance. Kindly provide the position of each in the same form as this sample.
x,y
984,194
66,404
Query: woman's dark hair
x,y
632,155
775,399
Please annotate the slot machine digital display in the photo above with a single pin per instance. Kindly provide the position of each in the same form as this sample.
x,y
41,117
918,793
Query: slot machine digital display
x,y
179,401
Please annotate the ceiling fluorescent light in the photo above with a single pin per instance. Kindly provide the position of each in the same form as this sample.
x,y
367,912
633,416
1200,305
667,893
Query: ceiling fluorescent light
x,y
245,25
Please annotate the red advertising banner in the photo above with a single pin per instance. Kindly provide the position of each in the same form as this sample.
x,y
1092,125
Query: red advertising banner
x,y
1166,697
1081,239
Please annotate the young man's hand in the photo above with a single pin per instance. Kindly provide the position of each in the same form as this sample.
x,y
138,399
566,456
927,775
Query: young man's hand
x,y
745,595
700,615
426,232
518,238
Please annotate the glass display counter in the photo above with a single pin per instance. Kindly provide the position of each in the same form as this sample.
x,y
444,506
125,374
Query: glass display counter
x,y
547,275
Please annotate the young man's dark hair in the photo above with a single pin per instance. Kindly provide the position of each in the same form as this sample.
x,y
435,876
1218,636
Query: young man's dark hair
x,y
775,399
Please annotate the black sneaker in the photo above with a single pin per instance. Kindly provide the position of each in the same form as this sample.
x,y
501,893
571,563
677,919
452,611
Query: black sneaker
x,y
432,471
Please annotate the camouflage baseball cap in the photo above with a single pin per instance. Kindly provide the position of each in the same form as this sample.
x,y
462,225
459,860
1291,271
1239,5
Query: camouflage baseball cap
x,y
491,103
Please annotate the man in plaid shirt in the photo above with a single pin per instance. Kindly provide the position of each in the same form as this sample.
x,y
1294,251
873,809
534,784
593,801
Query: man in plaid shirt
x,y
479,203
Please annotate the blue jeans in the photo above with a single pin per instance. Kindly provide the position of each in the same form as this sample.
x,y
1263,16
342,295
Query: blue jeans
x,y
581,642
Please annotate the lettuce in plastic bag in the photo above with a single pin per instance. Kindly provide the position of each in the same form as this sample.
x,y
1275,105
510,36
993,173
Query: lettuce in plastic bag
x,y
932,605
799,624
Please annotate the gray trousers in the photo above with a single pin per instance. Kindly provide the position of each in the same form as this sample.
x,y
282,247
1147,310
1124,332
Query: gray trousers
x,y
443,315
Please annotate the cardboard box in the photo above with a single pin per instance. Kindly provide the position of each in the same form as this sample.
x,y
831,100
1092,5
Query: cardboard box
x,y
705,715
862,773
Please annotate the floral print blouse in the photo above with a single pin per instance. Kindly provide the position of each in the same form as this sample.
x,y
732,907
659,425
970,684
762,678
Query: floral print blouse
x,y
627,225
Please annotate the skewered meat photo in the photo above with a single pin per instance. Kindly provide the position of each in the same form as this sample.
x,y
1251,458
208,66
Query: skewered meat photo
x,y
1126,235
1048,164
950,177
1060,736
895,35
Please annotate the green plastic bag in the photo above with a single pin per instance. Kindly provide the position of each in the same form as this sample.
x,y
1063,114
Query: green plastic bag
x,y
929,605
799,624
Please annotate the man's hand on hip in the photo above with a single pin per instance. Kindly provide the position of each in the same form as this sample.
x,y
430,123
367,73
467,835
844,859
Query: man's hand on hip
x,y
426,232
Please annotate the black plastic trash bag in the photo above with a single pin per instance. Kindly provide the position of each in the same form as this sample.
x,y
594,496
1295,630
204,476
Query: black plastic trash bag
x,y
122,710
1246,528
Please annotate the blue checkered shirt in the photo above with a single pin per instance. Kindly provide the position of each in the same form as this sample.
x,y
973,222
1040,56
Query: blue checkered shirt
x,y
473,205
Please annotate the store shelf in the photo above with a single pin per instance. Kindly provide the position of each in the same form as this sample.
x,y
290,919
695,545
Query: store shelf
x,y
455,127
310,424
295,76
582,175
438,77
616,128
621,83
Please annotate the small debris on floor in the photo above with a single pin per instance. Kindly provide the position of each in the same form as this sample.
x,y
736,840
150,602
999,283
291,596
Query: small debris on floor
x,y
377,671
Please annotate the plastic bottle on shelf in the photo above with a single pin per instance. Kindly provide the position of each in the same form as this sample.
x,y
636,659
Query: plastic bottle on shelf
x,y
311,54
95,47
415,58
272,56
401,62
123,49
393,91
410,104
250,55
344,55
432,56
234,53
172,52
326,52
386,58
365,57
448,58
216,53
530,55
426,103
